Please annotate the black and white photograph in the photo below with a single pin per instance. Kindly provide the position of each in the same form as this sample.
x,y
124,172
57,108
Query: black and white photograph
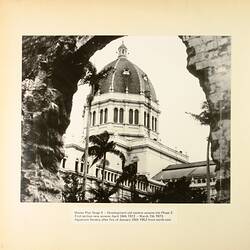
x,y
126,119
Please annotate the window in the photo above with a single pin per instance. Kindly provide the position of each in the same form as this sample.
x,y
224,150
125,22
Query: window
x,y
106,115
97,172
121,115
145,119
101,116
93,123
81,166
115,115
131,116
153,123
136,116
90,117
63,162
76,166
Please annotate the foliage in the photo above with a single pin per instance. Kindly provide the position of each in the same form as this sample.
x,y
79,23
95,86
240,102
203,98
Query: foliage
x,y
102,193
179,191
205,117
72,188
101,146
91,77
42,125
130,173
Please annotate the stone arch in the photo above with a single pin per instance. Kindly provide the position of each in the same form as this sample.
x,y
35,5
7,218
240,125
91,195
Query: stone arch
x,y
209,59
51,78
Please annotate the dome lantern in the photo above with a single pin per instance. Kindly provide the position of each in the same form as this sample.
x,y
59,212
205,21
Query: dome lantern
x,y
122,50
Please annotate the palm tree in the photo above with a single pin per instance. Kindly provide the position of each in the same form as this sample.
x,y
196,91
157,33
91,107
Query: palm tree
x,y
101,145
205,118
130,173
92,78
102,194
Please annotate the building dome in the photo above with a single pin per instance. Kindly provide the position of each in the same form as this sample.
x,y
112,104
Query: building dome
x,y
125,104
126,77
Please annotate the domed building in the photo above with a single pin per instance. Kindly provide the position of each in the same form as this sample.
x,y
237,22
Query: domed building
x,y
126,106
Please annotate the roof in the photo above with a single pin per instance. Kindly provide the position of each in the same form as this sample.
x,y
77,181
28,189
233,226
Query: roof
x,y
126,76
188,165
194,169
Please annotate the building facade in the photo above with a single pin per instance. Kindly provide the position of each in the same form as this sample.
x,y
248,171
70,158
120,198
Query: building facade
x,y
196,171
127,107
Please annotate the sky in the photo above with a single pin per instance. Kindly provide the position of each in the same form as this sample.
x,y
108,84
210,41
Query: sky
x,y
164,60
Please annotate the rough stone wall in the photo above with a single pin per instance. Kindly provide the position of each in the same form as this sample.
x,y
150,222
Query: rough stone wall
x,y
209,59
51,68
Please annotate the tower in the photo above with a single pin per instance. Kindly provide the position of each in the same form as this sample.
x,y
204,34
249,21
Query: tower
x,y
127,107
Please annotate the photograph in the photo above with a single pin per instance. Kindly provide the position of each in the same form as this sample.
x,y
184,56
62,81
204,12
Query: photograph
x,y
126,119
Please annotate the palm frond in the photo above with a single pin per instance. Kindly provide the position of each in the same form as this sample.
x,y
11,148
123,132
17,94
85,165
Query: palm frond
x,y
100,139
97,158
95,150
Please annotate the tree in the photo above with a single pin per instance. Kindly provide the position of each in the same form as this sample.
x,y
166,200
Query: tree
x,y
130,173
205,118
92,78
102,193
72,188
101,145
178,191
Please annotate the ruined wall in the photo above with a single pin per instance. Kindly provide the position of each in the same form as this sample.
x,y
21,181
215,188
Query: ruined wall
x,y
51,68
209,59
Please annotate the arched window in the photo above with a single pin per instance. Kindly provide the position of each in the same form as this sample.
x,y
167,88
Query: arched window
x,y
145,119
93,123
115,115
81,166
101,116
136,116
131,116
121,115
106,115
153,123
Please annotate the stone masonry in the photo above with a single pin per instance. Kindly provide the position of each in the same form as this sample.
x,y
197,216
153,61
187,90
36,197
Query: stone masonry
x,y
209,59
51,69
